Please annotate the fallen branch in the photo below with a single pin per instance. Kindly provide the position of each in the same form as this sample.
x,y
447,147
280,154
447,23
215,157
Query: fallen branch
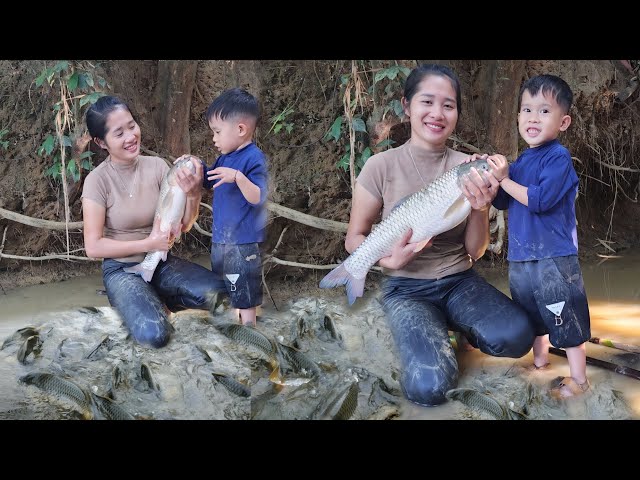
x,y
617,167
38,222
49,257
628,371
308,265
468,146
305,219
199,229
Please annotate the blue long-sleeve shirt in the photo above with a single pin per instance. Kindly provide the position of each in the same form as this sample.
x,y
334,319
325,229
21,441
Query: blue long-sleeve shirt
x,y
547,227
235,220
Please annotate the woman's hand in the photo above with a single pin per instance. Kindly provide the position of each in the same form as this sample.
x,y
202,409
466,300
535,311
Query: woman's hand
x,y
158,240
402,252
190,183
479,189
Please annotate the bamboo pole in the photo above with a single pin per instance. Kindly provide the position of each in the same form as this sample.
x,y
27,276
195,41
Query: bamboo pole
x,y
627,371
613,344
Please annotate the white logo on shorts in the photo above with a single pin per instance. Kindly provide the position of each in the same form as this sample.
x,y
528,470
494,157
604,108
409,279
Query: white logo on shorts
x,y
233,278
556,309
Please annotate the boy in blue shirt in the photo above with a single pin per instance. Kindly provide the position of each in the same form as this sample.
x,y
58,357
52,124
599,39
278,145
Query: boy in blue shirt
x,y
539,189
239,181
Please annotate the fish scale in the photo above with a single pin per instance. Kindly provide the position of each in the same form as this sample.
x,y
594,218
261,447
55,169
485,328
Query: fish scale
x,y
435,209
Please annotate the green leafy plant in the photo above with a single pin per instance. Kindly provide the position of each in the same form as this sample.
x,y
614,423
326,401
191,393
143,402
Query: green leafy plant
x,y
79,86
376,103
4,143
278,122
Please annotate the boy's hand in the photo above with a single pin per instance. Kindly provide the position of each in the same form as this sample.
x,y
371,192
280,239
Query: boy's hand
x,y
476,156
190,183
499,166
223,174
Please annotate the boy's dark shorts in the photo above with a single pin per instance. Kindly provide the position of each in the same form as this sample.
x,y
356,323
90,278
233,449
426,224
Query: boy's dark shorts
x,y
540,287
240,267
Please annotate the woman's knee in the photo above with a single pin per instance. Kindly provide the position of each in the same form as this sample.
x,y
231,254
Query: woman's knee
x,y
156,335
428,392
513,339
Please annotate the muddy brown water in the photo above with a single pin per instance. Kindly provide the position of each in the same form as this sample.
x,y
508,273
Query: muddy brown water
x,y
363,353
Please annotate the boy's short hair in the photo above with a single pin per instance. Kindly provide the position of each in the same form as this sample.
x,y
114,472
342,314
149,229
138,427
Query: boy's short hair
x,y
550,85
233,103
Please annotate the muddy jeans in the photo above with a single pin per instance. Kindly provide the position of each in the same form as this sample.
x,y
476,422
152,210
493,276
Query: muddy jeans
x,y
420,313
176,283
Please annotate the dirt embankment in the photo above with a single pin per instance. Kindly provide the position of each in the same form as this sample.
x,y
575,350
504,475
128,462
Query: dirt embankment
x,y
304,98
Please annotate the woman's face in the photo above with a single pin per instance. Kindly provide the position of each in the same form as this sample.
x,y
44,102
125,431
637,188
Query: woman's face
x,y
432,111
123,136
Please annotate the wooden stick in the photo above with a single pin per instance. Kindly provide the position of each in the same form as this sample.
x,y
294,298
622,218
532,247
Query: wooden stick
x,y
305,219
628,371
613,344
264,282
38,222
289,213
49,257
308,265
201,230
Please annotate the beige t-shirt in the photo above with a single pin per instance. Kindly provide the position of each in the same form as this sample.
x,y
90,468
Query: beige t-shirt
x,y
390,176
127,218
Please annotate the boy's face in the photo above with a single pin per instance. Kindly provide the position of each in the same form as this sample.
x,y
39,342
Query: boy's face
x,y
228,134
541,119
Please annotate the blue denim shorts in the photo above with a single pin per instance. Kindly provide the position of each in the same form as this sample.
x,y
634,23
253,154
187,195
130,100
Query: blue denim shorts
x,y
552,292
239,267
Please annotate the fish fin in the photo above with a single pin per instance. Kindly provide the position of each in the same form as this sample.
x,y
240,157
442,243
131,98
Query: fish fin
x,y
458,204
139,270
421,245
340,276
164,256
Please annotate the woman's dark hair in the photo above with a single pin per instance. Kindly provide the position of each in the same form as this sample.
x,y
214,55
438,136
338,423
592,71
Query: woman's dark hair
x,y
418,73
98,113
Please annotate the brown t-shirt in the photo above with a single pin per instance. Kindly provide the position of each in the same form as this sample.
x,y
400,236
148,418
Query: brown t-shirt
x,y
391,176
127,218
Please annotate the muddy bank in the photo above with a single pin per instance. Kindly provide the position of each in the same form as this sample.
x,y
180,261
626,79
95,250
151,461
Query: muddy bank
x,y
357,369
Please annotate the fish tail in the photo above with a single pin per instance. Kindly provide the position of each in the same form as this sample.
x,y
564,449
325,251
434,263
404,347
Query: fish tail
x,y
340,276
140,270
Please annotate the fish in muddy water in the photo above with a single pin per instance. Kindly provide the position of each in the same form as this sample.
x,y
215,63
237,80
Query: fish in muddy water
x,y
474,399
67,389
168,218
435,209
233,385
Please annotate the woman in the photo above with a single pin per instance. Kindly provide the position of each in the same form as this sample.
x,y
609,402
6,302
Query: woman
x,y
118,202
425,294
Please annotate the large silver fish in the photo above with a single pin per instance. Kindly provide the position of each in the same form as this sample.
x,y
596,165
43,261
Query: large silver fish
x,y
169,211
435,209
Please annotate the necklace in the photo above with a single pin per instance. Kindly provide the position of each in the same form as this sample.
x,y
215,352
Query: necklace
x,y
442,164
135,179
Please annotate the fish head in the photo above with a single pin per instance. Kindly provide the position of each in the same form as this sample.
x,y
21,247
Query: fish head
x,y
464,169
480,165
185,163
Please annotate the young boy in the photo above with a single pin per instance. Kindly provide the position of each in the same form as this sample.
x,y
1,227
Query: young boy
x,y
239,181
539,189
